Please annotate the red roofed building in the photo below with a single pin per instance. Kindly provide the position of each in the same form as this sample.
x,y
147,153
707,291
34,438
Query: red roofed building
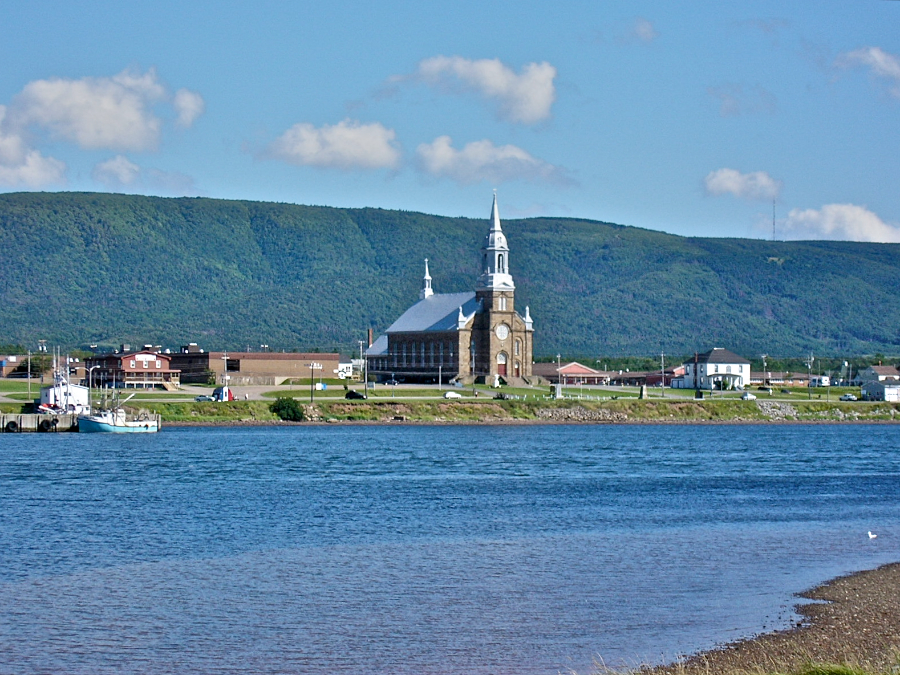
x,y
143,369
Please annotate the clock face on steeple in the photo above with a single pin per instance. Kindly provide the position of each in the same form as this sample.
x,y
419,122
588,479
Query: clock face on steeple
x,y
502,331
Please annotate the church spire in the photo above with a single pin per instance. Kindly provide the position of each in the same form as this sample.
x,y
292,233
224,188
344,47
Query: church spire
x,y
495,257
426,291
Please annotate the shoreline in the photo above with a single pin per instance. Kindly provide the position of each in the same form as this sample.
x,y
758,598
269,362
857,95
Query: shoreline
x,y
852,620
514,422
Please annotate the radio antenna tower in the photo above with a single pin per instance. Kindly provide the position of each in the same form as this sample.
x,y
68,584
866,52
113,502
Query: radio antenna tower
x,y
773,220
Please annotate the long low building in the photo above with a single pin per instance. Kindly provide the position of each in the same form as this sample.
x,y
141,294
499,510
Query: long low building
x,y
247,368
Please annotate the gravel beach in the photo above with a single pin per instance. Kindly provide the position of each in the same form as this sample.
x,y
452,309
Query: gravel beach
x,y
854,620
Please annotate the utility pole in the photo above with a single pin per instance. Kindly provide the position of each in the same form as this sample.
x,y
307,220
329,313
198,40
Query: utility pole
x,y
662,374
809,363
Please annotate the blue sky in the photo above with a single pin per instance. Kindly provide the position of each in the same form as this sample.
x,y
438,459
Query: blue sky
x,y
688,117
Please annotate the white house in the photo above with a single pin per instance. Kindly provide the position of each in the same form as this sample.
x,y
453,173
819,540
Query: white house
x,y
716,369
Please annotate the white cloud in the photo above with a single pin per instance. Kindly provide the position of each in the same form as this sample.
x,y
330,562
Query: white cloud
x,y
644,31
735,99
189,105
845,222
116,172
346,145
756,186
879,62
525,98
102,112
22,166
482,160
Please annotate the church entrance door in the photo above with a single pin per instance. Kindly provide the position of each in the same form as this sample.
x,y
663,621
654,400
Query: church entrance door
x,y
501,364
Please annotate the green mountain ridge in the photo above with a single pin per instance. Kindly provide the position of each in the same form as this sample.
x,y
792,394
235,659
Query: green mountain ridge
x,y
85,268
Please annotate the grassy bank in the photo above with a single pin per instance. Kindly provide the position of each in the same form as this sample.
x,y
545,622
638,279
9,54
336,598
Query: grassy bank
x,y
620,410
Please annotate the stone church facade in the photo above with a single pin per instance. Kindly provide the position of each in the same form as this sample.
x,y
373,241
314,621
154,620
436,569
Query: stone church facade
x,y
462,337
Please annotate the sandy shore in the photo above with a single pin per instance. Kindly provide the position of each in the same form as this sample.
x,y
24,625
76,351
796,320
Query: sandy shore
x,y
855,621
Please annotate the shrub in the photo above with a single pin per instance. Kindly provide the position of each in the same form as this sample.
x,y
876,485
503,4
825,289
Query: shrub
x,y
288,409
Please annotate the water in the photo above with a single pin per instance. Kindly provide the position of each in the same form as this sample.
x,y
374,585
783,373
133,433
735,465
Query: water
x,y
532,549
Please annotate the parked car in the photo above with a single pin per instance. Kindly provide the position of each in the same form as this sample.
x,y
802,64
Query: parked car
x,y
849,397
767,390
785,391
203,397
392,383
452,394
747,396
353,394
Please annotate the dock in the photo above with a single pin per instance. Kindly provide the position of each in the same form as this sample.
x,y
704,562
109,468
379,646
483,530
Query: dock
x,y
16,423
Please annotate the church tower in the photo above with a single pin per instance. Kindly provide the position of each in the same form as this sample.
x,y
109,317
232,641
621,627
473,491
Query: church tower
x,y
501,339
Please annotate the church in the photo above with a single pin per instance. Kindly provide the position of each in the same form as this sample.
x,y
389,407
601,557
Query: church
x,y
461,337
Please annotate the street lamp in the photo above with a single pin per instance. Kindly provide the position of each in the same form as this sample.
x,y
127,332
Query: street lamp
x,y
558,376
91,387
312,367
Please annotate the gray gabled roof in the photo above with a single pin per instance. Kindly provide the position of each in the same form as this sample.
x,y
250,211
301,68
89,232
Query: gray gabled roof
x,y
438,312
379,347
719,355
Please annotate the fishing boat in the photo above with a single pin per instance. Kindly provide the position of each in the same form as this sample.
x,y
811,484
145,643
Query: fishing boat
x,y
115,420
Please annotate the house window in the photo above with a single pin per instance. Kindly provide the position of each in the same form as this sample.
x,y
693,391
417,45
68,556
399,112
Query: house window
x,y
727,369
146,364
131,364
159,365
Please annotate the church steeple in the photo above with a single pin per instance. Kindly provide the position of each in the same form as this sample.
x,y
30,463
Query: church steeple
x,y
426,291
495,257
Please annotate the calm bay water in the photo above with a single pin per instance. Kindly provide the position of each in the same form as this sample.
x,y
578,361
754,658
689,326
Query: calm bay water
x,y
531,549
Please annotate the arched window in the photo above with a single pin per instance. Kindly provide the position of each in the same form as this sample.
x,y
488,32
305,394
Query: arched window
x,y
518,346
500,268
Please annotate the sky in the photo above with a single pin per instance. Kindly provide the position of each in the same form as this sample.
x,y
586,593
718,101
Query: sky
x,y
694,118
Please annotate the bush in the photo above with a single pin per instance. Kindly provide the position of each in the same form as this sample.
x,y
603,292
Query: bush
x,y
288,409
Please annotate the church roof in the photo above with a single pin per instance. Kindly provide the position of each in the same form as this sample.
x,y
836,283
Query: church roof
x,y
379,347
438,312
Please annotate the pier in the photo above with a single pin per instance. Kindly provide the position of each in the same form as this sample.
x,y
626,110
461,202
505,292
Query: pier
x,y
15,423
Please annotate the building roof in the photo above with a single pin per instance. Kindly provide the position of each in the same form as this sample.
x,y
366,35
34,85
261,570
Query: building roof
x,y
885,371
379,347
438,312
275,356
718,355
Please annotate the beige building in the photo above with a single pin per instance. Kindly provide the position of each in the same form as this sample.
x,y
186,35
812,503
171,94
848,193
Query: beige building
x,y
461,336
249,368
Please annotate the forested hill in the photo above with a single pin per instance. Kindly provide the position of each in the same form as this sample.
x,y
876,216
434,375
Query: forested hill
x,y
78,269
